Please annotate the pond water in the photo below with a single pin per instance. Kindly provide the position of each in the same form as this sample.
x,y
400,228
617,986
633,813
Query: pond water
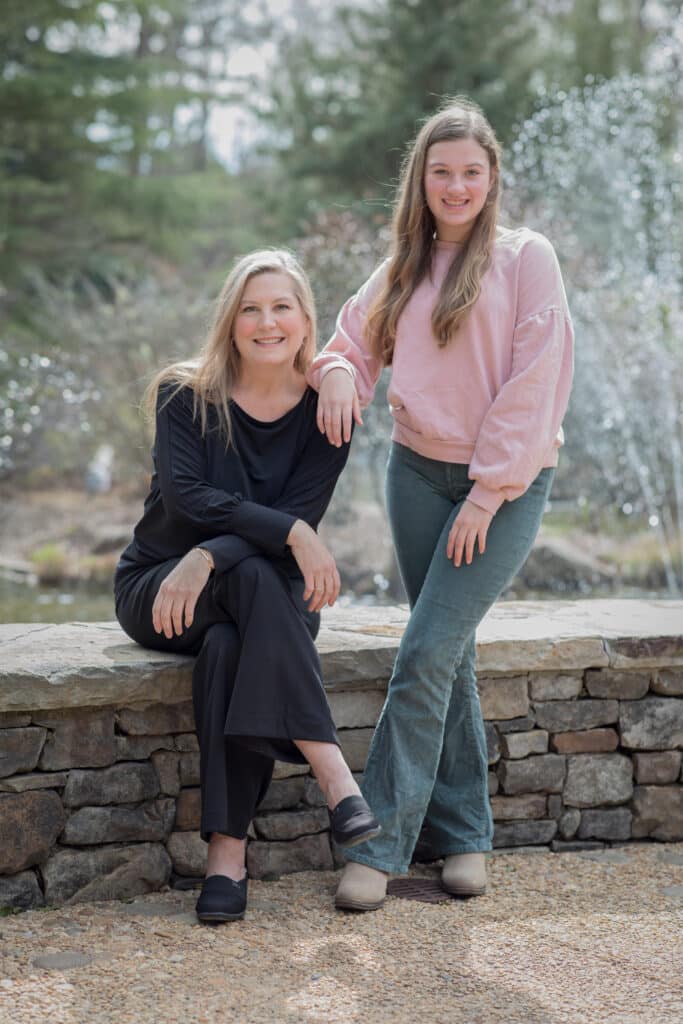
x,y
26,602
22,602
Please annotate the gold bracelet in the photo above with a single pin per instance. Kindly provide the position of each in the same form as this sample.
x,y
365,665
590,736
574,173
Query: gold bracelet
x,y
207,556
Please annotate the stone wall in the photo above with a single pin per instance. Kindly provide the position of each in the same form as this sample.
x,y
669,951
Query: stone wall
x,y
99,767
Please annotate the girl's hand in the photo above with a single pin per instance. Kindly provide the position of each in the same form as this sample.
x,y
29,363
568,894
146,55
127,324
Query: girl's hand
x,y
318,568
338,406
174,605
470,524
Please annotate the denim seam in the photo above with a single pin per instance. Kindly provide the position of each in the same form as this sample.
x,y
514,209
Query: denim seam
x,y
453,681
481,814
452,677
405,828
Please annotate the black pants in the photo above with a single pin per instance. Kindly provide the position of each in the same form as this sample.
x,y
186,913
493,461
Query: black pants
x,y
256,681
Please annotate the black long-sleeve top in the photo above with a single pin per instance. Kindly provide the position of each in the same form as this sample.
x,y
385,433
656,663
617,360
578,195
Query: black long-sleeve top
x,y
237,502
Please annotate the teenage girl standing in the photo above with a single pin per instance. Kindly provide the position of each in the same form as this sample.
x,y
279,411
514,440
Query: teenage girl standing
x,y
473,320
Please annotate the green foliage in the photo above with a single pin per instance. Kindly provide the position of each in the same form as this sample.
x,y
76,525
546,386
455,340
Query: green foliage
x,y
47,98
353,83
103,131
592,38
50,562
117,226
80,383
339,252
345,102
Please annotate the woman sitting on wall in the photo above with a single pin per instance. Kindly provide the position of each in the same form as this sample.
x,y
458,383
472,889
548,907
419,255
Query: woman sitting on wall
x,y
226,564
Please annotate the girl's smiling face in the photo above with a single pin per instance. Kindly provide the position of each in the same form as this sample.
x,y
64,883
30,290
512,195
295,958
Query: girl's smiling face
x,y
457,180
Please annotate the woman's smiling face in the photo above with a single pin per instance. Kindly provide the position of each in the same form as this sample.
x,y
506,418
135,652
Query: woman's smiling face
x,y
457,179
270,325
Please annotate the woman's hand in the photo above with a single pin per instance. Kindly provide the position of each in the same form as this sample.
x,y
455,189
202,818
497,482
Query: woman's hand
x,y
317,566
470,524
173,608
338,406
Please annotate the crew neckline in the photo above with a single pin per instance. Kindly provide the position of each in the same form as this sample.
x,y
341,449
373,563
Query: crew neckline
x,y
268,423
443,244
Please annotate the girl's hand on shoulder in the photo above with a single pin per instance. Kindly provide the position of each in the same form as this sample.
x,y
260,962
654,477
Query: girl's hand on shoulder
x,y
469,526
174,605
318,567
338,406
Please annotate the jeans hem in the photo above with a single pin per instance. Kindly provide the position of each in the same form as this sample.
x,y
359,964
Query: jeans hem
x,y
481,846
372,862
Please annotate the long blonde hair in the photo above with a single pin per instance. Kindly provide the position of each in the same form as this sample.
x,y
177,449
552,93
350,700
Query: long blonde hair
x,y
413,230
213,373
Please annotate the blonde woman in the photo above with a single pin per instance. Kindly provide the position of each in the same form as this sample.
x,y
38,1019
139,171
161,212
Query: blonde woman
x,y
473,320
226,564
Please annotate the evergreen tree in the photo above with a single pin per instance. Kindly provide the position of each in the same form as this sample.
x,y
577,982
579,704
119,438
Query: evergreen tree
x,y
349,94
48,98
103,115
592,38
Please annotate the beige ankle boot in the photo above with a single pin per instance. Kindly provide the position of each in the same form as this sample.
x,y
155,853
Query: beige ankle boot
x,y
361,888
464,874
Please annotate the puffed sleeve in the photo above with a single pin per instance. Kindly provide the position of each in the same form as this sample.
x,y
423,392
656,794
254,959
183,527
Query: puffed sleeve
x,y
347,347
520,429
190,500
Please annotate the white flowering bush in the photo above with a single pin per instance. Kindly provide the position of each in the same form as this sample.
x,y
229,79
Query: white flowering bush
x,y
74,378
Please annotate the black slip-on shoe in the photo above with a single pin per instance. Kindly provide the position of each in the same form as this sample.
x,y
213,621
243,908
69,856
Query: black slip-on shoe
x,y
352,822
222,899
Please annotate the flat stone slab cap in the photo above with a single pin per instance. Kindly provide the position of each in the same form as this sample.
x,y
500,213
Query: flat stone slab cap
x,y
95,664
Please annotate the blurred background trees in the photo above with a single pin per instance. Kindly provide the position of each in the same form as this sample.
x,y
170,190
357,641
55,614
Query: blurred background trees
x,y
144,144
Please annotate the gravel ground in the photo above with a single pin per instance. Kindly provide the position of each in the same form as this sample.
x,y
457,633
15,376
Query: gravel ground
x,y
589,938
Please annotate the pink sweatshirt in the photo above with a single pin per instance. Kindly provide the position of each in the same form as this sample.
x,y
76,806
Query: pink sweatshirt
x,y
495,396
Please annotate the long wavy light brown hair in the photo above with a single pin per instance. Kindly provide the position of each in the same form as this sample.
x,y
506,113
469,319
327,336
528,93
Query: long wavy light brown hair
x,y
413,231
213,373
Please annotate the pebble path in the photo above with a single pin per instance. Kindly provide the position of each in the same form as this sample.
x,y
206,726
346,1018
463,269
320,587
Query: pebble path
x,y
573,938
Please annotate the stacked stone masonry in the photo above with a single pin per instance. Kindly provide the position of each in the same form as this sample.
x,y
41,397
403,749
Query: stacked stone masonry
x,y
99,764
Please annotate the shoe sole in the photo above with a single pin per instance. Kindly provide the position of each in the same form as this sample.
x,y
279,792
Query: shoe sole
x,y
218,917
343,904
356,840
464,892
